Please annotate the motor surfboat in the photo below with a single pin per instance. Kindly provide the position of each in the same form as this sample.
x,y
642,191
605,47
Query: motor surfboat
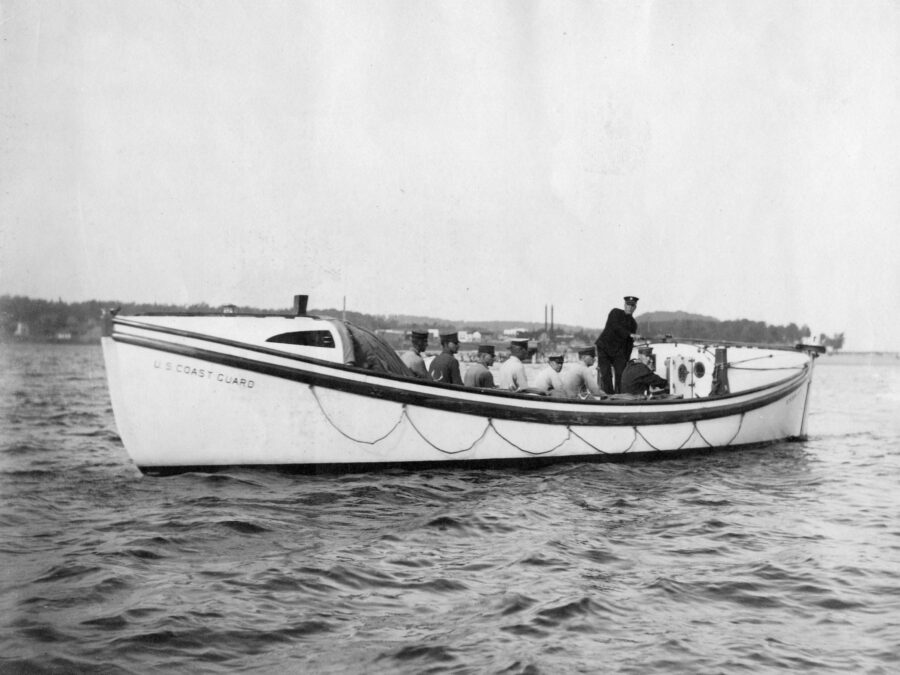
x,y
200,391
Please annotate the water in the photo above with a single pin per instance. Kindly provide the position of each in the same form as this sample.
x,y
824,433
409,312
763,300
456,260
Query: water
x,y
779,558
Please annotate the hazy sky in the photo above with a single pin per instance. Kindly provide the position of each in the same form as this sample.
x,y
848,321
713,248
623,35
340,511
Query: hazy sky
x,y
468,160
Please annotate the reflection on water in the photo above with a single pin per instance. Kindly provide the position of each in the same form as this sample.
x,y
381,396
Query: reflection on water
x,y
784,557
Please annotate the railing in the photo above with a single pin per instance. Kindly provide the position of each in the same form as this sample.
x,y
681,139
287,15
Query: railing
x,y
817,349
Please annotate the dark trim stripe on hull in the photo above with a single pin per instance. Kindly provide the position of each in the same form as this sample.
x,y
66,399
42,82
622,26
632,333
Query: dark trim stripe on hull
x,y
524,463
502,409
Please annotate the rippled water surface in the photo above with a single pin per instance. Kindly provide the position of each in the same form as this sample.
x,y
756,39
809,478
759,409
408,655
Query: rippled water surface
x,y
778,558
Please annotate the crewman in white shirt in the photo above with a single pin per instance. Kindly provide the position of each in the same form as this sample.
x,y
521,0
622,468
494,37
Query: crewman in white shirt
x,y
548,380
579,381
512,376
413,356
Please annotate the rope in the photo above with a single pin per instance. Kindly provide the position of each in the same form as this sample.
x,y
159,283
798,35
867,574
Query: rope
x,y
700,434
346,435
446,452
690,435
603,452
404,412
529,452
646,441
755,358
740,426
730,367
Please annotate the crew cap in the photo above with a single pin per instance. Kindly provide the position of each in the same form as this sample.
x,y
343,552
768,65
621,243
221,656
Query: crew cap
x,y
630,300
419,334
522,344
587,351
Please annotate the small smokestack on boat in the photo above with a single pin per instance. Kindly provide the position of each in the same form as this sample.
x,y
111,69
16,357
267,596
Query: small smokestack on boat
x,y
300,305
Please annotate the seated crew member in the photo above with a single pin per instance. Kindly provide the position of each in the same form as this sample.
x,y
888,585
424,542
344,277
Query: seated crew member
x,y
638,378
578,379
548,380
512,376
444,367
477,374
412,357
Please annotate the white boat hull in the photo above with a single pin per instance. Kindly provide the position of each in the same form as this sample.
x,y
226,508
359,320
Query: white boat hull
x,y
186,401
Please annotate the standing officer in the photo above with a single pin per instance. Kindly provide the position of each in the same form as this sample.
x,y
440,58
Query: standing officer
x,y
615,343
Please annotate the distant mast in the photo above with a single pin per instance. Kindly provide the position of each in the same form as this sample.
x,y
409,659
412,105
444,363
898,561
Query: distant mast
x,y
344,310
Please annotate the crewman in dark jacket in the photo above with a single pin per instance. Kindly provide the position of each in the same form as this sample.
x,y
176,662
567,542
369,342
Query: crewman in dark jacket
x,y
444,367
615,343
477,374
638,377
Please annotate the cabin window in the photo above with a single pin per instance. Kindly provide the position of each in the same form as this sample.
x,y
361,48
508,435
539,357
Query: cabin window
x,y
305,338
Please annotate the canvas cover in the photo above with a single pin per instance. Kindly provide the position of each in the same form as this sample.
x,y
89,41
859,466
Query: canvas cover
x,y
371,352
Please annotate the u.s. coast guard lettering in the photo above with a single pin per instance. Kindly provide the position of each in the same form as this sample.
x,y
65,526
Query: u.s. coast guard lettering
x,y
204,373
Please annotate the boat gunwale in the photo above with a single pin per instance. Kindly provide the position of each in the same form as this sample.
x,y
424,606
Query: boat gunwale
x,y
193,335
506,407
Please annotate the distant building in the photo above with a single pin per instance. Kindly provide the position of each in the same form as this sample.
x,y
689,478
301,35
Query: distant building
x,y
515,332
22,330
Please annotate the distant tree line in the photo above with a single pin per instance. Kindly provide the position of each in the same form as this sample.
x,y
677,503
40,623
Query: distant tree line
x,y
29,319
739,330
36,320
836,342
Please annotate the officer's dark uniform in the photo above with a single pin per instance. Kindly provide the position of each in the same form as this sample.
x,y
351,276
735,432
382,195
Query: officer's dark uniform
x,y
638,378
614,347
